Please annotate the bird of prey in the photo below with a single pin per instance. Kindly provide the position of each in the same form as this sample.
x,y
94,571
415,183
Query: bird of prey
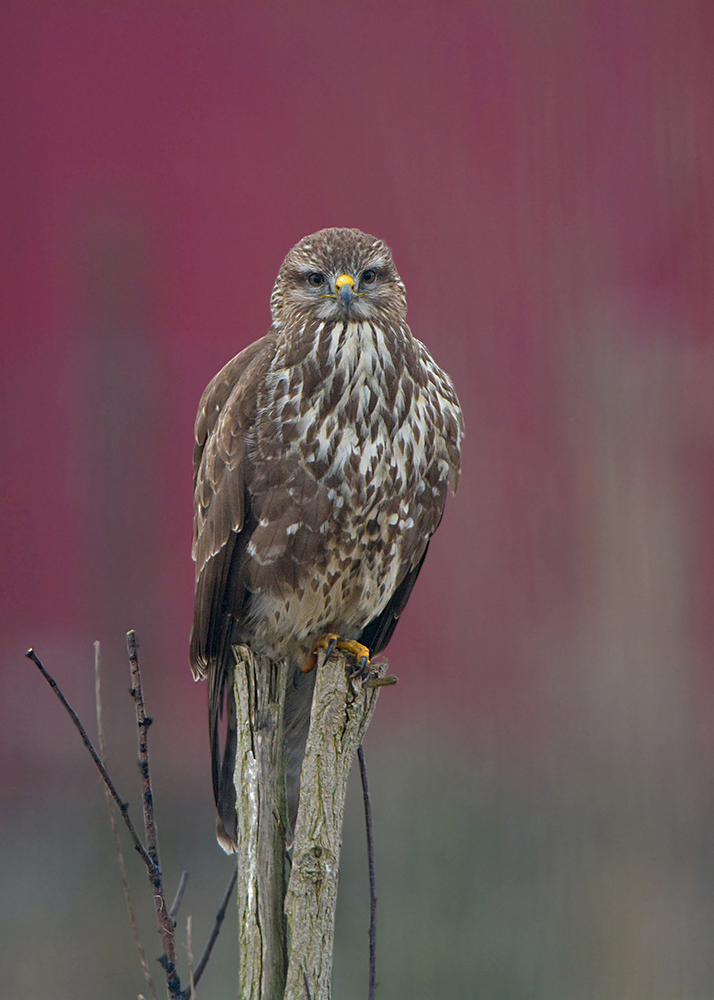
x,y
322,457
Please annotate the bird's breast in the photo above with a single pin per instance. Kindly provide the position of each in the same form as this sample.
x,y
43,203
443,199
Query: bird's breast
x,y
341,460
363,420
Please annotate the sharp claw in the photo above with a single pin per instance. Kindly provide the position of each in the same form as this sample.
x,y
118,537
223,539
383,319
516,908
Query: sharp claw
x,y
330,642
330,648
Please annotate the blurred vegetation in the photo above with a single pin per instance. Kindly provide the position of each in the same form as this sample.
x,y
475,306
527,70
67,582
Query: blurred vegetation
x,y
495,879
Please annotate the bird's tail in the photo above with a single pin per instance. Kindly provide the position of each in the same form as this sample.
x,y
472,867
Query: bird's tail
x,y
223,759
298,703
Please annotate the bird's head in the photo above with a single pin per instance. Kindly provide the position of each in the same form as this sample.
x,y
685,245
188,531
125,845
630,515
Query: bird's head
x,y
338,274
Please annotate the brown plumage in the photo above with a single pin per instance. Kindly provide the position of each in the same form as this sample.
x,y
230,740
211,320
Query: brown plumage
x,y
322,458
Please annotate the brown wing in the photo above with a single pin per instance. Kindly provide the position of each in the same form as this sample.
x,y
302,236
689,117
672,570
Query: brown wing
x,y
221,512
377,634
225,417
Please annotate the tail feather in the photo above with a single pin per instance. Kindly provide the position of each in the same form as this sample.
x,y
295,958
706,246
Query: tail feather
x,y
298,703
223,761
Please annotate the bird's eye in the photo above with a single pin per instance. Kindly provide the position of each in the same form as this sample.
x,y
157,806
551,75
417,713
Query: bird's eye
x,y
315,279
369,276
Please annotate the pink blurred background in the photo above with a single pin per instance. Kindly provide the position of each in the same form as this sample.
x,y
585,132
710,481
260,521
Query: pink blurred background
x,y
544,173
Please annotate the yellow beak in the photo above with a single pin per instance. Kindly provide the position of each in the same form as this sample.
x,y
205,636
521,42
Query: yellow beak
x,y
344,279
345,290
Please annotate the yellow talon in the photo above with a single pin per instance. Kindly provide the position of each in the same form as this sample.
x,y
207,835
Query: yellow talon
x,y
330,642
359,651
325,640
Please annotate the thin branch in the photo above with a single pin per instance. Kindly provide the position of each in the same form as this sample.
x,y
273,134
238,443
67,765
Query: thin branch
x,y
166,924
220,917
372,880
380,682
150,857
115,831
179,896
189,949
32,655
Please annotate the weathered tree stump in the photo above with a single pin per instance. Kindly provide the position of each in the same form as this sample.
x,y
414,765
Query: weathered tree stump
x,y
287,925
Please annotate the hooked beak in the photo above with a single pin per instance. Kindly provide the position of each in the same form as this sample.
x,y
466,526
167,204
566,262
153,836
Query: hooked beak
x,y
345,289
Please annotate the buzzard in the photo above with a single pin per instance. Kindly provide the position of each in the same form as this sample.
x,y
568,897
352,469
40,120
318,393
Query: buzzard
x,y
322,457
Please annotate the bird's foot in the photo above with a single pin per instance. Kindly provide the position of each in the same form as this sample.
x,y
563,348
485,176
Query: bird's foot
x,y
330,642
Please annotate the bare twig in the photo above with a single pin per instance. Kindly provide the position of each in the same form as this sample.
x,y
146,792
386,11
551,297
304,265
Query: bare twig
x,y
150,856
220,917
151,866
372,881
179,896
189,949
166,924
115,831
380,682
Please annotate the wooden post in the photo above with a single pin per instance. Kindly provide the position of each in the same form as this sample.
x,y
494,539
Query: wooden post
x,y
260,699
341,711
286,936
